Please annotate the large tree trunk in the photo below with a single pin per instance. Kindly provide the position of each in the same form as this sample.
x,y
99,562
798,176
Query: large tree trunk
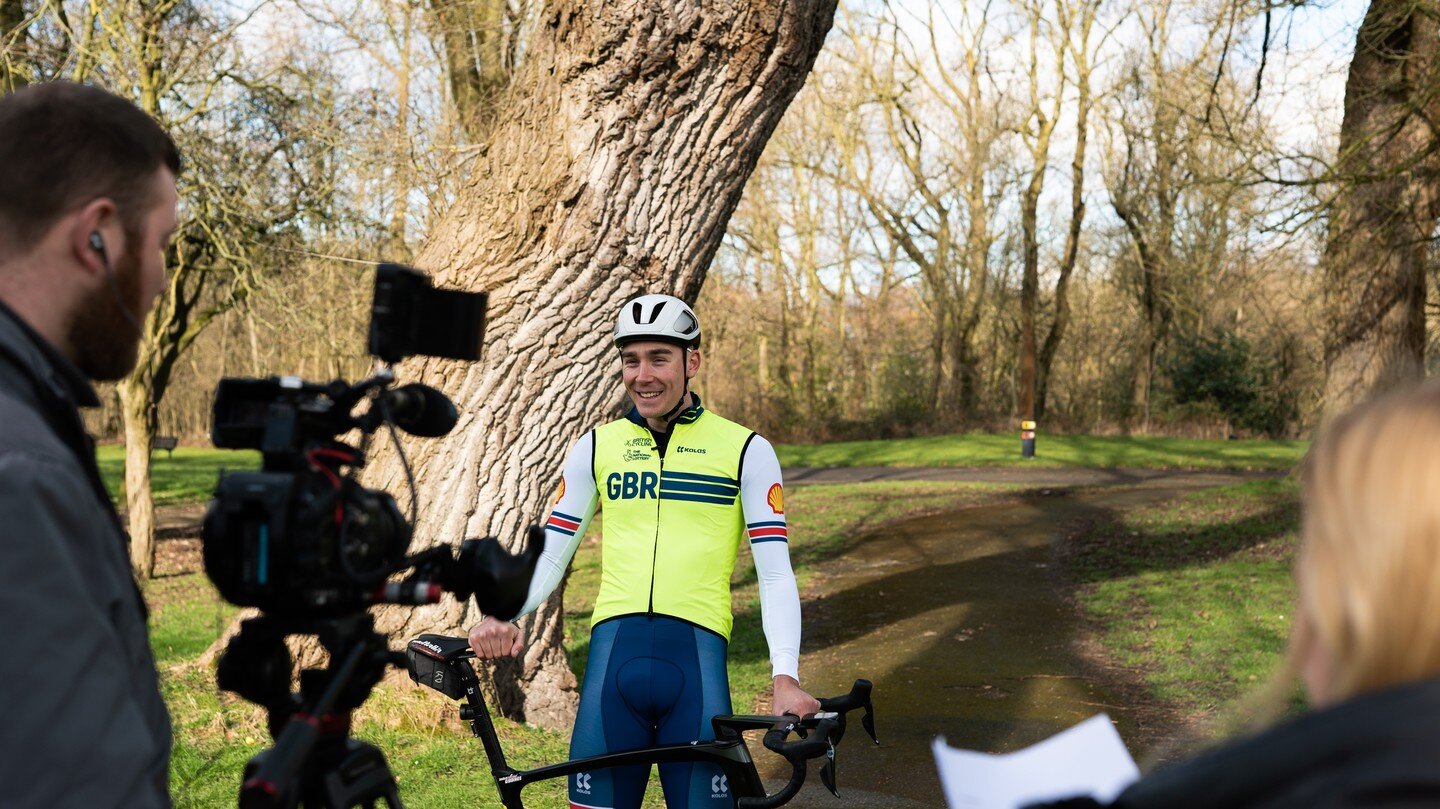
x,y
1385,213
617,158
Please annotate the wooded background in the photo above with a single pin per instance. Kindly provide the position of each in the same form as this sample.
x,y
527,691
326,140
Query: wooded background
x,y
1151,216
1167,201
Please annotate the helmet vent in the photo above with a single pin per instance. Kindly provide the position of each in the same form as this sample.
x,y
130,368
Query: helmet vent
x,y
685,324
639,313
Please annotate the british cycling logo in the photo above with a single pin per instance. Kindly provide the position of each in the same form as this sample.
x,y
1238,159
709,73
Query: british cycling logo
x,y
582,782
640,442
719,785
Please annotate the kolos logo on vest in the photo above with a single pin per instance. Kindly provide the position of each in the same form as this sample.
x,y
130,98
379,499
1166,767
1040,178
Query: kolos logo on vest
x,y
632,485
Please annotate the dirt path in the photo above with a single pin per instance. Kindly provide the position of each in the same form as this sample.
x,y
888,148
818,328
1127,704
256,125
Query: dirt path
x,y
958,621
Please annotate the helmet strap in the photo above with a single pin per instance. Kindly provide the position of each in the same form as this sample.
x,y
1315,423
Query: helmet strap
x,y
674,412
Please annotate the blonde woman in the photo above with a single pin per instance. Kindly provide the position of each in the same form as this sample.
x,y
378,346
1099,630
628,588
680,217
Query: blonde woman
x,y
1366,638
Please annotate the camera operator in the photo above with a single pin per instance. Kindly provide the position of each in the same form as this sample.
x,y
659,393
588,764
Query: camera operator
x,y
87,209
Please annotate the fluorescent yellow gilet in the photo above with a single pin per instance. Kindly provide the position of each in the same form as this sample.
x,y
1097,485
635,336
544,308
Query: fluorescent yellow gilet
x,y
671,529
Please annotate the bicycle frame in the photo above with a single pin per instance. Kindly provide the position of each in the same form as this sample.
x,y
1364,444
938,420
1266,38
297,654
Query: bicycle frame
x,y
443,664
728,751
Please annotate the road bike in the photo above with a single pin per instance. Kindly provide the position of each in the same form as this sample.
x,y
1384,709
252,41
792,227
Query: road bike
x,y
443,663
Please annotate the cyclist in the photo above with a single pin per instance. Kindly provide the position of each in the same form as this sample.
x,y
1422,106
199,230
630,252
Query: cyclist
x,y
679,486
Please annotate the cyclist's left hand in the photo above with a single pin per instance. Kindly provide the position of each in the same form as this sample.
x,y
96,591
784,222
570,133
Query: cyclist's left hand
x,y
790,698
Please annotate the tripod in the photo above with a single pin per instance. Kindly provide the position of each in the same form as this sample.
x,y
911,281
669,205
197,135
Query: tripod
x,y
314,762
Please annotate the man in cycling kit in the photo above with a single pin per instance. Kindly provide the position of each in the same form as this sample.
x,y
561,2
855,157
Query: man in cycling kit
x,y
679,486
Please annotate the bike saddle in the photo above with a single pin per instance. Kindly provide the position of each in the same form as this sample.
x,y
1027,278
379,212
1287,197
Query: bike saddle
x,y
428,658
442,647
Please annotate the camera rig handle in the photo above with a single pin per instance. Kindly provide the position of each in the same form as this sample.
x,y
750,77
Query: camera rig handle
x,y
498,579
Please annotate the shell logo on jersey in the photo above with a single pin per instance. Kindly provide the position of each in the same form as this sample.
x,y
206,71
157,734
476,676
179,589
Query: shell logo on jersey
x,y
776,499
560,495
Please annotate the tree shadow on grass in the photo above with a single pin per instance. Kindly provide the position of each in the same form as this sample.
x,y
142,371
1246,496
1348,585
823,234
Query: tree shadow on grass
x,y
1116,546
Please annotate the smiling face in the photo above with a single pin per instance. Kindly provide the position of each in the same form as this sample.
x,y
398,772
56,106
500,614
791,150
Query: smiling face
x,y
654,374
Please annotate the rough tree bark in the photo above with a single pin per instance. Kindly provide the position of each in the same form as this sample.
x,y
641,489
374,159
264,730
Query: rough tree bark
x,y
617,157
1384,218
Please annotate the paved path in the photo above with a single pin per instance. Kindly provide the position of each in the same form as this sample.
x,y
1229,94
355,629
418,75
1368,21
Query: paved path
x,y
958,620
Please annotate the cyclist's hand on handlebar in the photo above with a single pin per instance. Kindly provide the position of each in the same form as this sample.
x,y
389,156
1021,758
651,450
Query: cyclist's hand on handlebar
x,y
492,638
791,699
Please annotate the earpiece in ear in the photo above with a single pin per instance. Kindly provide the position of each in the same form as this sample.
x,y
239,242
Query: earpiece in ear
x,y
96,243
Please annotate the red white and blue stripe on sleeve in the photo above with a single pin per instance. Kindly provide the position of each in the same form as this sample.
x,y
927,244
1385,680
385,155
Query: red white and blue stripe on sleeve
x,y
563,523
767,531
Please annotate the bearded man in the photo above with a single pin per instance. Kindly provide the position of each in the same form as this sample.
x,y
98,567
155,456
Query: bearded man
x,y
87,210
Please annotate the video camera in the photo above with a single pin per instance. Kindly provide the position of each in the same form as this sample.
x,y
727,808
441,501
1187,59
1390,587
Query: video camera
x,y
313,549
301,537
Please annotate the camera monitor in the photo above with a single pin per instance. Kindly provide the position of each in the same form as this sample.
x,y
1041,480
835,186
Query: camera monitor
x,y
411,317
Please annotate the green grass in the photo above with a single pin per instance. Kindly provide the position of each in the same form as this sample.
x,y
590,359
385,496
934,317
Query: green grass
x,y
988,449
1195,594
436,760
188,477
186,616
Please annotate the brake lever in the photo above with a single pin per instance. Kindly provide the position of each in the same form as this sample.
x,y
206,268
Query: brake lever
x,y
828,772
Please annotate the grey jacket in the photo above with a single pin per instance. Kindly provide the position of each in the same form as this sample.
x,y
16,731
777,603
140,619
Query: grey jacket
x,y
82,722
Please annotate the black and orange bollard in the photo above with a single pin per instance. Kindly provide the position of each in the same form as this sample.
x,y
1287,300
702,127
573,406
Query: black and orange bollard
x,y
1027,439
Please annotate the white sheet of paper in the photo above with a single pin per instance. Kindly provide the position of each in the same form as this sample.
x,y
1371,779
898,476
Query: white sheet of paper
x,y
1088,759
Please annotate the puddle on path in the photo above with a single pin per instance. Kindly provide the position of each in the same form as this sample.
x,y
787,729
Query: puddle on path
x,y
957,620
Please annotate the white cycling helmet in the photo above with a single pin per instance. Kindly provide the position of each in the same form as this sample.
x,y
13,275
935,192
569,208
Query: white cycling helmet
x,y
657,317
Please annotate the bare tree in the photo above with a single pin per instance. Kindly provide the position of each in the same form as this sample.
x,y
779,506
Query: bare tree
x,y
615,161
179,64
1075,27
1160,136
1037,130
934,181
1383,222
482,41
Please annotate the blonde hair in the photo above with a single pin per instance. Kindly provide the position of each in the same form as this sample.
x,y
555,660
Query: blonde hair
x,y
1368,572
